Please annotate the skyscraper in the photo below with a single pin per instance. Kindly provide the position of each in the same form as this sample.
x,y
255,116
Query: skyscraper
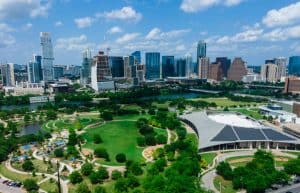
x,y
47,56
294,66
237,70
203,65
269,72
281,63
181,67
35,73
58,71
117,66
129,66
201,49
153,69
85,77
168,66
215,71
137,57
7,74
225,64
189,65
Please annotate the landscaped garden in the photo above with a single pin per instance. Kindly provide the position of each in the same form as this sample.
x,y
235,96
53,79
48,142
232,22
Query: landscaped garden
x,y
225,102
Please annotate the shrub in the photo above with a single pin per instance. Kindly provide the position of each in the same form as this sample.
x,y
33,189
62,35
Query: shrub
x,y
99,189
161,139
121,158
115,175
86,169
141,141
103,173
30,185
97,139
150,140
224,170
106,115
59,152
95,178
83,188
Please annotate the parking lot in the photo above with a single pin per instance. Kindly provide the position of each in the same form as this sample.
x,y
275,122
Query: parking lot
x,y
9,189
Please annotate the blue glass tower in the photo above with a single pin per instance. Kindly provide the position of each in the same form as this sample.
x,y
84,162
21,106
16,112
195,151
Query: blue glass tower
x,y
201,49
181,67
35,73
137,57
117,66
152,65
168,66
294,66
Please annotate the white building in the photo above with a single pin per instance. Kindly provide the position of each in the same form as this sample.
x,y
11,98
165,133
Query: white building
x,y
47,56
7,74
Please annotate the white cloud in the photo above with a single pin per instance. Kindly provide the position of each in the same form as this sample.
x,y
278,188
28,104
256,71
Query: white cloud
x,y
127,38
157,34
16,9
74,43
4,27
281,34
84,22
192,6
6,39
114,30
284,16
27,26
58,23
180,48
125,13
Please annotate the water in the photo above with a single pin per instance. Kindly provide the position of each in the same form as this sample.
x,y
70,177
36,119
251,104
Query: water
x,y
173,96
33,128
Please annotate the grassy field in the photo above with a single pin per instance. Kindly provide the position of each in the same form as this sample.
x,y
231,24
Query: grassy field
x,y
223,102
254,113
15,176
118,137
131,117
39,166
49,186
226,185
208,157
243,160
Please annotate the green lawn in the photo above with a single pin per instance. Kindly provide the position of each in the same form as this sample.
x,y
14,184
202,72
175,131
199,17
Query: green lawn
x,y
208,157
246,159
39,166
49,186
292,152
118,137
226,185
224,102
15,176
131,117
254,113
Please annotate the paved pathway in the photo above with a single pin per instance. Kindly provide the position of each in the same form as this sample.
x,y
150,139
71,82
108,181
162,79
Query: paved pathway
x,y
8,189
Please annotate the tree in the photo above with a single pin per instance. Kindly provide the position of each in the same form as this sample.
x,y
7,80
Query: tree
x,y
28,165
150,140
73,139
134,168
292,166
121,157
161,139
99,189
95,178
106,115
224,169
75,177
26,118
141,141
115,174
86,169
30,185
121,185
51,115
132,181
103,173
59,152
101,153
97,139
83,188
78,126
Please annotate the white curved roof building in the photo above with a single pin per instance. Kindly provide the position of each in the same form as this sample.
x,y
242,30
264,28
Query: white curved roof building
x,y
227,130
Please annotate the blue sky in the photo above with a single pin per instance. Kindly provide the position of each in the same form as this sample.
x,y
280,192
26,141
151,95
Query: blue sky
x,y
253,29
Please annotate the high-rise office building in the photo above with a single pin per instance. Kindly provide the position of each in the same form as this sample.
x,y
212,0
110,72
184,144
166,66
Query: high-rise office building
x,y
294,66
85,77
203,68
216,71
189,65
58,71
201,49
237,70
269,72
181,67
47,56
137,57
7,74
35,73
225,64
281,63
153,69
129,66
117,66
168,66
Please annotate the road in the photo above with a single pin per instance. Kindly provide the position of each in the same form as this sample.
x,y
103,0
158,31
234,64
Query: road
x,y
8,189
294,189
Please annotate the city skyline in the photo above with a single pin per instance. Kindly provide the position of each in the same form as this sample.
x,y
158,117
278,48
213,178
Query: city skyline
x,y
126,26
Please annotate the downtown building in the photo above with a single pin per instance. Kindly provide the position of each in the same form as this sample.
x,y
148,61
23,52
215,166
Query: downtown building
x,y
117,66
274,70
7,75
101,78
237,70
35,72
86,65
203,68
294,66
153,67
168,66
47,56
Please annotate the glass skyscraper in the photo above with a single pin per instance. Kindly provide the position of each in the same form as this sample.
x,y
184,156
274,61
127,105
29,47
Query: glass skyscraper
x,y
201,49
181,67
168,66
294,66
137,57
117,66
35,73
86,67
153,65
225,64
47,56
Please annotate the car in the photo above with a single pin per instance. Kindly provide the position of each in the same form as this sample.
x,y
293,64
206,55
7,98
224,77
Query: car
x,y
5,181
288,192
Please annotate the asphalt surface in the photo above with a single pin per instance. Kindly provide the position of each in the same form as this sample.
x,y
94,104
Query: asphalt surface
x,y
8,189
294,189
